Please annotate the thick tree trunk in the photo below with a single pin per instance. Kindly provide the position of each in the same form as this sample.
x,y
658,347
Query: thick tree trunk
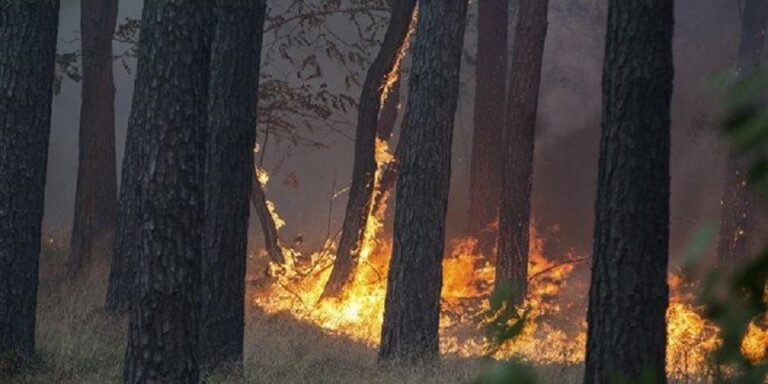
x,y
169,110
28,47
364,168
739,202
93,230
628,297
231,135
515,212
412,305
487,136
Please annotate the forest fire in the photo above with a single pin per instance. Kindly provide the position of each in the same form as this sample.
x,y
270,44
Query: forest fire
x,y
555,326
555,330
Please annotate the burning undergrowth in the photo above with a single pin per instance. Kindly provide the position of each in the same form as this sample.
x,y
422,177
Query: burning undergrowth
x,y
555,330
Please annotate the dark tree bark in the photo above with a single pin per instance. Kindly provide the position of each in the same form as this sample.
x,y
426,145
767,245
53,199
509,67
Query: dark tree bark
x,y
739,202
28,48
515,212
170,112
93,230
412,305
230,139
364,167
628,296
487,136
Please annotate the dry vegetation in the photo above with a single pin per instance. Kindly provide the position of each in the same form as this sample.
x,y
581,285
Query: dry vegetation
x,y
78,343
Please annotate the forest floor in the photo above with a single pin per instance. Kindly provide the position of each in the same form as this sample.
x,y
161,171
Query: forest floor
x,y
78,343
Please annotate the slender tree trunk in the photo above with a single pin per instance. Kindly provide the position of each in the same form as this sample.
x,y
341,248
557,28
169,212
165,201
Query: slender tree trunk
x,y
233,94
390,109
169,109
412,305
268,225
523,101
628,296
739,202
93,230
28,48
487,136
364,168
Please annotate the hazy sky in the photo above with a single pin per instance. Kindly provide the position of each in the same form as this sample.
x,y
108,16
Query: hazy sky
x,y
706,40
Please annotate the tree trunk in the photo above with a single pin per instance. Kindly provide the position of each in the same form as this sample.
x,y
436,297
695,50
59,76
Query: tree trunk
x,y
364,168
169,109
93,229
28,47
487,136
230,139
515,212
268,226
739,202
628,296
412,305
389,110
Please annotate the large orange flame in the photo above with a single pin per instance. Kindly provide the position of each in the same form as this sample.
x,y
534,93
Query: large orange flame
x,y
555,332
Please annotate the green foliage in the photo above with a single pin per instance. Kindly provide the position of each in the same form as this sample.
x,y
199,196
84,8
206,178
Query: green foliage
x,y
505,321
734,301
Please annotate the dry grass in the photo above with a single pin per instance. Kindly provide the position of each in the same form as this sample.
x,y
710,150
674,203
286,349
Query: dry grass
x,y
78,343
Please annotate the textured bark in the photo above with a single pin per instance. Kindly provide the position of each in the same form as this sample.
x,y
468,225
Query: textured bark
x,y
27,48
412,305
487,136
739,202
364,167
628,296
231,135
93,230
169,112
515,212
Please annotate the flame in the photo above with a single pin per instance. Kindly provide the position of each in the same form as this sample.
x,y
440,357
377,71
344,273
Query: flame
x,y
394,74
556,297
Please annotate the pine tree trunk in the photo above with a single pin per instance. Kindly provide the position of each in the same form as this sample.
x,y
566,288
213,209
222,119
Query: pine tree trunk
x,y
364,168
628,297
27,47
230,139
169,110
487,136
739,202
93,230
412,305
523,101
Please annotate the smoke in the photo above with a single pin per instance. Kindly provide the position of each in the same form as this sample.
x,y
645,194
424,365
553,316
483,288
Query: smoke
x,y
566,153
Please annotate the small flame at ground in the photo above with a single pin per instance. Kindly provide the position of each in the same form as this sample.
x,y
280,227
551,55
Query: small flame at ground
x,y
551,335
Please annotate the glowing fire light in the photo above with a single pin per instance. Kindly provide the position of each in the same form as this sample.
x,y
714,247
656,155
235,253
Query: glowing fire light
x,y
550,335
555,298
